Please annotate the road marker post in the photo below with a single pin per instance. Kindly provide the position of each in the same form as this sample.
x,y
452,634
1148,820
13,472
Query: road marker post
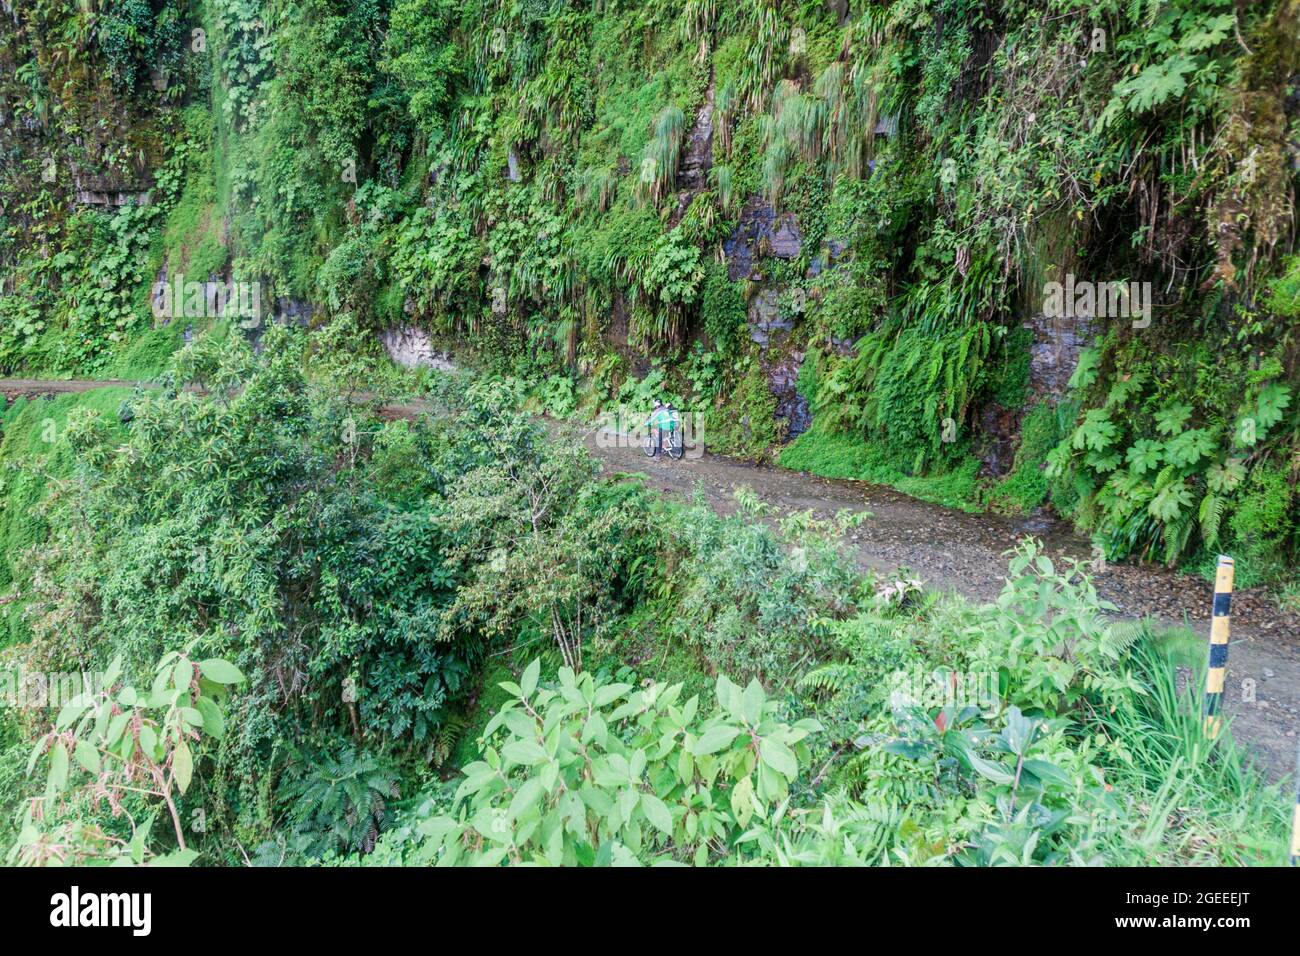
x,y
1219,628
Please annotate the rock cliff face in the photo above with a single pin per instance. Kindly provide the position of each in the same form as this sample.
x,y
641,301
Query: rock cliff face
x,y
697,160
1054,353
1053,356
412,347
762,235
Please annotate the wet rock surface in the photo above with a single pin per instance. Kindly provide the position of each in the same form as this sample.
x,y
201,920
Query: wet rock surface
x,y
693,173
765,319
1054,354
999,427
412,347
763,234
783,376
760,233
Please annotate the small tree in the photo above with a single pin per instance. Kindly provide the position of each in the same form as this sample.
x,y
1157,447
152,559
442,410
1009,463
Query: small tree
x,y
117,742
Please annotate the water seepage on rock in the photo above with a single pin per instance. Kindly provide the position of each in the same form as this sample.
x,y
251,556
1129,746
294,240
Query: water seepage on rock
x,y
759,235
291,311
761,232
412,347
999,426
782,378
1053,357
113,191
832,252
693,173
1055,351
765,319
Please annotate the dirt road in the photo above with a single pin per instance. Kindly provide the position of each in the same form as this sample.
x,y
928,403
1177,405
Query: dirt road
x,y
961,552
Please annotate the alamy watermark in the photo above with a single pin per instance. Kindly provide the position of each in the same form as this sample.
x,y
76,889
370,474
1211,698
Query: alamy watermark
x,y
918,687
176,298
1085,299
27,689
627,427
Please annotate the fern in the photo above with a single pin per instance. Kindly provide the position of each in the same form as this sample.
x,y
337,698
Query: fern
x,y
829,679
1178,534
1211,517
1120,636
445,738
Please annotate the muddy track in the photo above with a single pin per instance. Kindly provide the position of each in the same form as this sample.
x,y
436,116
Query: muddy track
x,y
961,552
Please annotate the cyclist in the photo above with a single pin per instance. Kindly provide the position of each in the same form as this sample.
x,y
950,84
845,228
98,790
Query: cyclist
x,y
674,419
662,419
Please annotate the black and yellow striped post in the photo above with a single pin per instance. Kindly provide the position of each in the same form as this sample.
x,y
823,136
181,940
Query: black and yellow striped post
x,y
1219,626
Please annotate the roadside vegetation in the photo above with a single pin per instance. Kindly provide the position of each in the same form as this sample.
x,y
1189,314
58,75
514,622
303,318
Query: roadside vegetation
x,y
824,230
447,641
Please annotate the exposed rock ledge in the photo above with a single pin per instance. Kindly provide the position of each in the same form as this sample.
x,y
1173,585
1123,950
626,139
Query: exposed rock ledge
x,y
412,347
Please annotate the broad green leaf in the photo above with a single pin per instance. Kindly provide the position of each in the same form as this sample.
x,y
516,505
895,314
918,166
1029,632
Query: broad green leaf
x,y
1170,420
752,702
214,722
526,752
183,765
221,672
149,741
714,739
657,812
528,683
71,711
58,776
87,756
779,757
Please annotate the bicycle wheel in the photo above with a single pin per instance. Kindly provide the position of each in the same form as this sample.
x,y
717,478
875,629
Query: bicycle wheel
x,y
673,446
648,445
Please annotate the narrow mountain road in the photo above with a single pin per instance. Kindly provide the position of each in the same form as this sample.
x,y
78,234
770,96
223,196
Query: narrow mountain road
x,y
961,552
956,551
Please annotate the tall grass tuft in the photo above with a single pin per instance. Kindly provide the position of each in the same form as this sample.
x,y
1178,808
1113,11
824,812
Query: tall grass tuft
x,y
659,162
1198,801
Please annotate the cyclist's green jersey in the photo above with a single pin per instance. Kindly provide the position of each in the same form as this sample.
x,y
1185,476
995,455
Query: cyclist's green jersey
x,y
664,419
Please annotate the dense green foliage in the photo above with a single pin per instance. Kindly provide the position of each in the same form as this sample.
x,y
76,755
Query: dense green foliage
x,y
752,209
364,579
553,185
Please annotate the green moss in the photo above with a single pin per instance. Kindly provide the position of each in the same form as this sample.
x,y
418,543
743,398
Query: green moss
x,y
746,424
1260,527
1009,374
826,453
489,701
838,455
723,308
1025,487
147,356
192,236
31,456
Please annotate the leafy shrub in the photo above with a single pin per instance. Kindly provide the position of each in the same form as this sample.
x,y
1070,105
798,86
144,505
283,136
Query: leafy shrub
x,y
752,596
598,773
117,745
